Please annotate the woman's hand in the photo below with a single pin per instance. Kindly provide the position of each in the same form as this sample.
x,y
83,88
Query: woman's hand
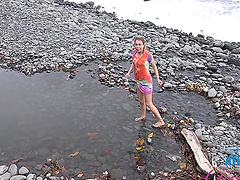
x,y
127,75
160,82
156,73
129,71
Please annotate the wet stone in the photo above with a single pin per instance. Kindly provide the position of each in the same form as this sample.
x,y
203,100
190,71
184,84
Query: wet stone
x,y
219,128
127,129
168,85
238,136
204,137
31,176
212,92
87,156
102,160
5,176
198,125
228,79
118,173
208,144
13,169
127,107
43,151
3,169
23,170
218,133
198,132
95,164
105,167
18,177
223,124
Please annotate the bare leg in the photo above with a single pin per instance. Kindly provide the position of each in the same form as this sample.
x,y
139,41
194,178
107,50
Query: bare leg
x,y
149,103
141,99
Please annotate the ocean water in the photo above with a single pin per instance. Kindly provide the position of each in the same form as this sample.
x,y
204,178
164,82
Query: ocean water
x,y
216,18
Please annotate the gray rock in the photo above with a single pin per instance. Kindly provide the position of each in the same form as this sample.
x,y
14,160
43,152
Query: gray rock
x,y
218,43
53,178
23,170
217,105
102,160
168,85
18,177
217,76
198,125
223,124
236,86
95,164
212,92
127,129
198,132
5,176
213,150
126,84
13,169
102,76
218,133
228,79
206,73
208,144
48,175
3,169
222,88
219,128
125,177
217,49
105,167
31,176
222,64
118,173
228,115
204,138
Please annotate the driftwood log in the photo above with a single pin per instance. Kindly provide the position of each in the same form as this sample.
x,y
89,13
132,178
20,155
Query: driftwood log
x,y
197,149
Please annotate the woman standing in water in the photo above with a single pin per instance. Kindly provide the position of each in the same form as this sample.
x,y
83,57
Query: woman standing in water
x,y
141,60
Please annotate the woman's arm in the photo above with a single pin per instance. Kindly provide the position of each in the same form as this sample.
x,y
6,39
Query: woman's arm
x,y
129,71
156,72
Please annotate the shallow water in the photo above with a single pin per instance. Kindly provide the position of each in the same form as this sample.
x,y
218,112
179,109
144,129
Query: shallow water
x,y
47,115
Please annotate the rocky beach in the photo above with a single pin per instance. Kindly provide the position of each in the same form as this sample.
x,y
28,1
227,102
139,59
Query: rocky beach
x,y
81,43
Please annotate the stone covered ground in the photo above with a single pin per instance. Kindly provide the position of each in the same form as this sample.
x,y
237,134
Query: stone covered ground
x,y
45,35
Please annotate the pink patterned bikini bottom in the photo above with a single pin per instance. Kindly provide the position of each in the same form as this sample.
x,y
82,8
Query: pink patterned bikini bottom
x,y
145,89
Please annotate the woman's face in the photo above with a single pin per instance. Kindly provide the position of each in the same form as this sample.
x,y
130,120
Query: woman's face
x,y
139,46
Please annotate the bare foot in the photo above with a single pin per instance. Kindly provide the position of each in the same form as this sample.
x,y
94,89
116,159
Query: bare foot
x,y
140,118
158,125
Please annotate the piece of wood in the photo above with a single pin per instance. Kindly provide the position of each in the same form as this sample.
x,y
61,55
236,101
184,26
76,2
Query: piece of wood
x,y
197,149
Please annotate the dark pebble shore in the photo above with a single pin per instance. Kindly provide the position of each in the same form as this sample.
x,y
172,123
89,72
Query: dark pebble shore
x,y
39,36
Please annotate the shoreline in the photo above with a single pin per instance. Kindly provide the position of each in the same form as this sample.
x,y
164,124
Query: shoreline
x,y
46,36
